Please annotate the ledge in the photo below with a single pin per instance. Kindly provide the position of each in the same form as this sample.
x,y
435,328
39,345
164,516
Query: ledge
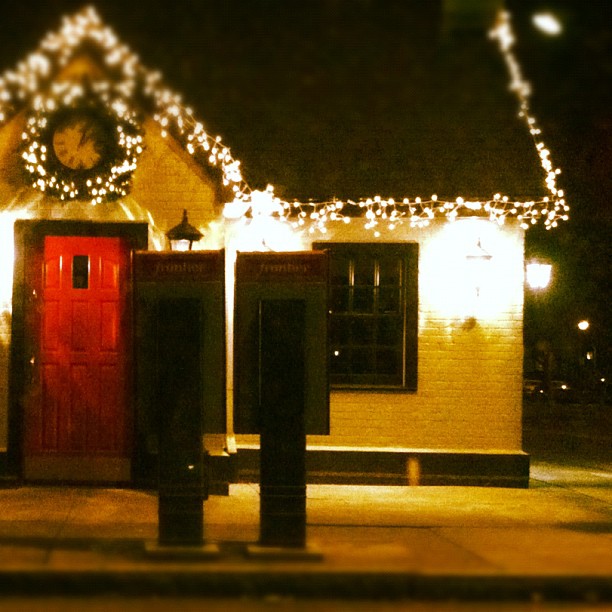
x,y
401,467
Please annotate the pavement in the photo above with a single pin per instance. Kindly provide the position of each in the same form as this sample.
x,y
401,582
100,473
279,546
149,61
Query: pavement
x,y
552,541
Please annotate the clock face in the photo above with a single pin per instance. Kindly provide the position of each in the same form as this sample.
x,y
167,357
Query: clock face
x,y
78,141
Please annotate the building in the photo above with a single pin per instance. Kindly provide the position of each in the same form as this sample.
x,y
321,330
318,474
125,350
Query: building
x,y
98,158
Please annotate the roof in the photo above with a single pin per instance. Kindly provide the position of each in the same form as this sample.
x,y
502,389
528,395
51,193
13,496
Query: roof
x,y
460,143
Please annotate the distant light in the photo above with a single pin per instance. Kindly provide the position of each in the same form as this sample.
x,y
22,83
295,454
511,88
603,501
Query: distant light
x,y
547,23
537,274
583,325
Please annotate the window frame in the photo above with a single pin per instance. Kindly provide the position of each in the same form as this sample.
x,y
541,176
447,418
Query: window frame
x,y
408,311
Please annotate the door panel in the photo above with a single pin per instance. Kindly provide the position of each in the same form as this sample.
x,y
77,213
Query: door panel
x,y
109,327
78,420
51,401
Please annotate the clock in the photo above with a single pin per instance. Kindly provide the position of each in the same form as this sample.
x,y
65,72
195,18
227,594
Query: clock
x,y
78,141
82,142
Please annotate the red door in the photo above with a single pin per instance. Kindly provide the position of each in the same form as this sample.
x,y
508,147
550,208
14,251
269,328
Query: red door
x,y
77,425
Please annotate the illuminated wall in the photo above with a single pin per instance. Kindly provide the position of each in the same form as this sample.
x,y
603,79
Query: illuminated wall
x,y
6,282
470,346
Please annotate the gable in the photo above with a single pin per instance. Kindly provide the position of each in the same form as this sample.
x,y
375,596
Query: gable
x,y
168,179
84,66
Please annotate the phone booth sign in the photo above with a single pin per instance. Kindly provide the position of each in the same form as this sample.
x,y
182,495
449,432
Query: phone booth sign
x,y
296,277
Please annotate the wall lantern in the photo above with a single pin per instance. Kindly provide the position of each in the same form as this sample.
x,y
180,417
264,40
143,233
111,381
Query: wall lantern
x,y
183,235
478,262
537,274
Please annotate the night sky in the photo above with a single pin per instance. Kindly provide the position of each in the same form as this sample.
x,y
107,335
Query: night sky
x,y
310,74
277,63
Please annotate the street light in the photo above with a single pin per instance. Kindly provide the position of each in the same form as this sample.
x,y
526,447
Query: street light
x,y
547,23
588,352
538,274
183,235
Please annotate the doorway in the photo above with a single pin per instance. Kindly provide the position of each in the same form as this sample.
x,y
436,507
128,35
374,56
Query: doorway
x,y
76,396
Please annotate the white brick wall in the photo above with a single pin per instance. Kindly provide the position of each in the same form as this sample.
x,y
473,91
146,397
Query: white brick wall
x,y
470,349
5,336
168,180
469,360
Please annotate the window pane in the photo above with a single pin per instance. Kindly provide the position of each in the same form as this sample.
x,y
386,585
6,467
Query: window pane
x,y
362,330
390,270
340,332
388,362
362,361
80,272
363,299
364,271
389,331
388,299
340,362
339,299
339,271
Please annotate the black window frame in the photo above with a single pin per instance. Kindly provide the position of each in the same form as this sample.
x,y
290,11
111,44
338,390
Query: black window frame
x,y
403,322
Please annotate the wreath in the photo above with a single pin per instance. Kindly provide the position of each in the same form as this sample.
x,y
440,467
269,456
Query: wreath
x,y
99,111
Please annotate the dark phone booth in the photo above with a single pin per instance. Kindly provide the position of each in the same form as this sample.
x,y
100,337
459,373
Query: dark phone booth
x,y
180,379
281,386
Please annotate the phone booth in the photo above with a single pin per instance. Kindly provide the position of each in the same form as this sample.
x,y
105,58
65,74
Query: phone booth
x,y
281,382
180,379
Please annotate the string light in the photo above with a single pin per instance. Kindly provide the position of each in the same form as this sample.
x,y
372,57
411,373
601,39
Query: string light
x,y
113,174
419,212
129,77
376,213
554,208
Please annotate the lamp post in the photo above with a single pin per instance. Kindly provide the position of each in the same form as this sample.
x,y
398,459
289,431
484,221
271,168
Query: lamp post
x,y
583,325
183,235
588,357
536,330
538,274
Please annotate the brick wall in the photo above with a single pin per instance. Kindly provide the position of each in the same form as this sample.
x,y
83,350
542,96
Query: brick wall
x,y
5,336
168,180
470,348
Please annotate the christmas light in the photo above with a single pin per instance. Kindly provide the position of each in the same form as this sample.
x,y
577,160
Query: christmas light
x,y
20,86
51,176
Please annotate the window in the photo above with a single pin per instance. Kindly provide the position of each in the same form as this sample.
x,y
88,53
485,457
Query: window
x,y
373,306
80,272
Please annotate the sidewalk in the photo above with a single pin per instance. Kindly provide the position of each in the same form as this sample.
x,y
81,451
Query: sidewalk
x,y
552,540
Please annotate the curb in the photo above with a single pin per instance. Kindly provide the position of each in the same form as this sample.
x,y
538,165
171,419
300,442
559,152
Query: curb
x,y
242,582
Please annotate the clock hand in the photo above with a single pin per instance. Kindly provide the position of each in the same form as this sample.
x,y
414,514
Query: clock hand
x,y
85,134
84,138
